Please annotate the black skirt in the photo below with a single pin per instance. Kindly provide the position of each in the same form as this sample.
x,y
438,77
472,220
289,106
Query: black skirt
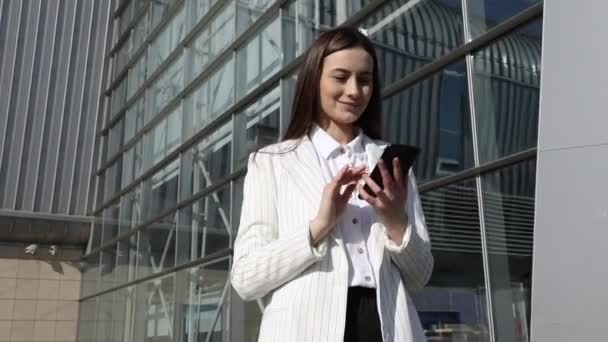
x,y
362,320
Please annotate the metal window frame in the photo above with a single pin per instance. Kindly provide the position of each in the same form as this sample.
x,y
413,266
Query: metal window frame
x,y
532,13
479,43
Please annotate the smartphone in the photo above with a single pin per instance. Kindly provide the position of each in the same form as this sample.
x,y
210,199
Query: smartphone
x,y
407,154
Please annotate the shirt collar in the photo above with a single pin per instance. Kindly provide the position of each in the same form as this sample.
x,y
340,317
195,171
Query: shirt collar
x,y
326,145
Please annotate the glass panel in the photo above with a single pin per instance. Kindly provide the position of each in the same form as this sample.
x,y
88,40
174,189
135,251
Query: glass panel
x,y
110,222
201,298
121,58
158,9
125,18
166,41
130,209
130,301
508,200
259,59
137,75
165,89
163,138
208,161
108,268
237,202
287,94
96,234
90,274
154,310
300,27
138,159
211,98
507,90
433,114
257,126
160,191
103,329
113,176
409,34
127,166
156,247
453,306
134,119
126,260
140,32
248,11
205,226
214,38
122,314
86,320
485,14
199,9
116,138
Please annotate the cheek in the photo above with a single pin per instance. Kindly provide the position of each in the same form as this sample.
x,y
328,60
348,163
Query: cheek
x,y
367,93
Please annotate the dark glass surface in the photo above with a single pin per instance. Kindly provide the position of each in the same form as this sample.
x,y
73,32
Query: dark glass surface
x,y
201,300
433,115
156,246
508,200
410,34
204,226
506,82
486,14
453,306
257,126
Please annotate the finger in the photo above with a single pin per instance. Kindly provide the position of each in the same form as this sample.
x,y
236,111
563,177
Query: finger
x,y
366,196
397,173
372,184
387,179
349,178
337,180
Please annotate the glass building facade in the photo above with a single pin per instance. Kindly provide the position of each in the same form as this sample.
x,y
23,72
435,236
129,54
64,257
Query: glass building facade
x,y
194,86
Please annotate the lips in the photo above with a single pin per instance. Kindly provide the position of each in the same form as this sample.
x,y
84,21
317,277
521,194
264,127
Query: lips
x,y
350,105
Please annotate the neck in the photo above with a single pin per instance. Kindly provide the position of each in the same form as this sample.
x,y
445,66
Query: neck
x,y
341,133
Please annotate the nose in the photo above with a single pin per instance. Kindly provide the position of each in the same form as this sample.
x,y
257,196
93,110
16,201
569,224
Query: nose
x,y
353,88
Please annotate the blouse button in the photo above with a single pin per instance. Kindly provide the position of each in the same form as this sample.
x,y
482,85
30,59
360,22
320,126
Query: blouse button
x,y
355,221
368,278
360,250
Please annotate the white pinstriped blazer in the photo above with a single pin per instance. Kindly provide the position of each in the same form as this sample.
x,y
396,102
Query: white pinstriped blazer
x,y
305,289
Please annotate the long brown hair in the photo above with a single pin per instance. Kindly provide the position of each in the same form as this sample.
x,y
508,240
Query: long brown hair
x,y
306,106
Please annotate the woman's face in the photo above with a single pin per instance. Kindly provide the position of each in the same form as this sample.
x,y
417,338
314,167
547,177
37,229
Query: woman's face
x,y
346,85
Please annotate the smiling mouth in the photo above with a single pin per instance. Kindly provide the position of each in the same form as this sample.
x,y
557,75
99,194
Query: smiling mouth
x,y
350,105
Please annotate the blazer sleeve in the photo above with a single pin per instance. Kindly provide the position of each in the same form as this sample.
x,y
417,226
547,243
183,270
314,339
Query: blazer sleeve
x,y
263,260
413,257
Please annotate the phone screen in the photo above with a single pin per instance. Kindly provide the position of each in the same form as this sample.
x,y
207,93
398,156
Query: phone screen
x,y
407,154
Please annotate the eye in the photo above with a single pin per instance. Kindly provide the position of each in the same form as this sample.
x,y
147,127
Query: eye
x,y
365,80
341,78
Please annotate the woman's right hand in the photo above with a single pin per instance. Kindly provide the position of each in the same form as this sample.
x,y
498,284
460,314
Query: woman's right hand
x,y
333,201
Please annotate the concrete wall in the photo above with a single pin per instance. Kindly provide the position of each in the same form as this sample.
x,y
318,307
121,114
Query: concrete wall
x,y
38,295
570,275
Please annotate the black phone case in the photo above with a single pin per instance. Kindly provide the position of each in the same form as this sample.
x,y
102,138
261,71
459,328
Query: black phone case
x,y
407,154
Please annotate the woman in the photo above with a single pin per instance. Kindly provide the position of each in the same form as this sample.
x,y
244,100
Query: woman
x,y
331,261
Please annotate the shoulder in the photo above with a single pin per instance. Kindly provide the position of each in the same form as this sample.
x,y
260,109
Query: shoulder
x,y
282,147
268,155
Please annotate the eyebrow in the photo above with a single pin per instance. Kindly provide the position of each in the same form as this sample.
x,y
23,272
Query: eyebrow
x,y
349,72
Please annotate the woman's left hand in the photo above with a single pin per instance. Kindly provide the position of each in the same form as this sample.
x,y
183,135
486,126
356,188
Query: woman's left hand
x,y
389,202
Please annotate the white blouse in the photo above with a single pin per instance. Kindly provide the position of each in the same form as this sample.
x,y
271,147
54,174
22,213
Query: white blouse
x,y
358,216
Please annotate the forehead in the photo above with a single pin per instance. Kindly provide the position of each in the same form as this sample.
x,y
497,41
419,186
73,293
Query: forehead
x,y
353,59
